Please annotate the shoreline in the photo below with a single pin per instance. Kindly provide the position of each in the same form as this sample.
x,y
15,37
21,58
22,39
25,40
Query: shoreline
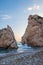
x,y
22,58
23,53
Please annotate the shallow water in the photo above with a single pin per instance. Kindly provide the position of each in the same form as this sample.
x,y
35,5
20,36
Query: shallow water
x,y
21,48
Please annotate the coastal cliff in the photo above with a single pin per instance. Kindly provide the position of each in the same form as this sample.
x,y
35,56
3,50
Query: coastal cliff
x,y
7,38
33,35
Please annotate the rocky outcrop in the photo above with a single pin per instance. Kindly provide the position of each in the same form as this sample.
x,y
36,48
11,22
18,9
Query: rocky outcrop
x,y
33,35
7,39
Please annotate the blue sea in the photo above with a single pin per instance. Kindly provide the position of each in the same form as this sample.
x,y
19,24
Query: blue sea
x,y
21,48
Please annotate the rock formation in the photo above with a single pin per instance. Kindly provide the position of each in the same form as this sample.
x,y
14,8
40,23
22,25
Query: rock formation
x,y
33,35
7,39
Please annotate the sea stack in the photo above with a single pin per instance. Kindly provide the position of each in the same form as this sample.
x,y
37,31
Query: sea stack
x,y
7,38
33,35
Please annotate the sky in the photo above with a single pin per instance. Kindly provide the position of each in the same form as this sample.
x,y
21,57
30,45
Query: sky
x,y
15,14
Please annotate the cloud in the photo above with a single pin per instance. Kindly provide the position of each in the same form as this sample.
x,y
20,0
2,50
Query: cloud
x,y
34,7
30,8
6,17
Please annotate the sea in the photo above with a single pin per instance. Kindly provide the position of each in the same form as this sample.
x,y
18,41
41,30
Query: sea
x,y
21,49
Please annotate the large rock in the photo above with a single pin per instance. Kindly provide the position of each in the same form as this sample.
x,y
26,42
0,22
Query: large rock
x,y
7,39
33,35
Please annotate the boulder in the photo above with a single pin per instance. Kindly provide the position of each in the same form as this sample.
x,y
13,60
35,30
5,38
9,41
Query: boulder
x,y
33,35
7,38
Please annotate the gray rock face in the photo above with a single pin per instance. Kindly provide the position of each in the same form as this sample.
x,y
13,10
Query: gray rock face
x,y
33,35
7,38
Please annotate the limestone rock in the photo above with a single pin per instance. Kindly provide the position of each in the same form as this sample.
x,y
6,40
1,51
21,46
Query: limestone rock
x,y
7,38
33,35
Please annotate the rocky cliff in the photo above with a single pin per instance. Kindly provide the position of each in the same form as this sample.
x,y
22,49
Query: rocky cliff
x,y
7,38
33,35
